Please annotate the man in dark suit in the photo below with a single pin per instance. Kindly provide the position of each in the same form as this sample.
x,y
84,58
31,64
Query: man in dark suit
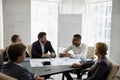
x,y
15,39
13,68
42,47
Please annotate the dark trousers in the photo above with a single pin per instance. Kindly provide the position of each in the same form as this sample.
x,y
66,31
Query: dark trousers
x,y
79,71
67,75
46,77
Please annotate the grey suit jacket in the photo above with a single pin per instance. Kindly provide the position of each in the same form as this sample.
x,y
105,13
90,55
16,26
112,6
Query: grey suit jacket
x,y
100,71
17,71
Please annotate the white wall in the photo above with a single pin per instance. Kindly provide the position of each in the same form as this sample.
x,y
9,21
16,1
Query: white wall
x,y
115,31
68,25
16,20
91,1
1,26
72,6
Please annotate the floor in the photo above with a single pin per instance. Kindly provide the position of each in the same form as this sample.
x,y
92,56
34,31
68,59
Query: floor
x,y
59,77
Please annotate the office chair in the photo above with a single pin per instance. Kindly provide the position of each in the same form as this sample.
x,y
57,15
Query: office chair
x,y
29,47
6,77
1,57
113,70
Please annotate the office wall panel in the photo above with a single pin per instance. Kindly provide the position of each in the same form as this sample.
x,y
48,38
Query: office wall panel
x,y
16,20
115,31
69,24
1,25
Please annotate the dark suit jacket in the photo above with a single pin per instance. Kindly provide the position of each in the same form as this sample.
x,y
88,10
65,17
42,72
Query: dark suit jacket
x,y
37,51
17,71
100,71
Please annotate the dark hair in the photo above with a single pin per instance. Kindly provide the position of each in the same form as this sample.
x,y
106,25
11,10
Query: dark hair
x,y
102,48
41,34
77,36
14,38
14,51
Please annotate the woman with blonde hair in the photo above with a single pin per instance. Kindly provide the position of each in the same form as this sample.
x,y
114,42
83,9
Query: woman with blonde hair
x,y
100,69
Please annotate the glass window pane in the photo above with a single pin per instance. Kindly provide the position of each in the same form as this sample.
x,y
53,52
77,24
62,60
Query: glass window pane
x,y
98,23
44,17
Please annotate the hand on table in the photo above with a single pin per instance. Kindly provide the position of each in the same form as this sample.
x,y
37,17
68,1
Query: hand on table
x,y
75,65
52,55
39,78
64,55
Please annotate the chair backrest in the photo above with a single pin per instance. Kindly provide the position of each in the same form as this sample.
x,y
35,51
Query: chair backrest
x,y
1,51
5,77
90,52
29,47
113,71
1,56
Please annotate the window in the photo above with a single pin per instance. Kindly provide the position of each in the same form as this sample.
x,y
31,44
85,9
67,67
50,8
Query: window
x,y
44,17
98,23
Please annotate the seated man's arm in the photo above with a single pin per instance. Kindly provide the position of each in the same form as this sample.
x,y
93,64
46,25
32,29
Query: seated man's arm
x,y
66,54
26,75
52,52
85,64
37,77
34,52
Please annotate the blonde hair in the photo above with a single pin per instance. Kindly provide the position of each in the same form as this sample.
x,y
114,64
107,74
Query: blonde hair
x,y
102,48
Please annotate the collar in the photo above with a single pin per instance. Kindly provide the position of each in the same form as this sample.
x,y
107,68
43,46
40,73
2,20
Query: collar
x,y
102,59
17,64
79,46
41,43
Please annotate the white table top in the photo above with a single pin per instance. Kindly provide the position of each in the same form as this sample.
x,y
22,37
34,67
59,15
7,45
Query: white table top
x,y
54,61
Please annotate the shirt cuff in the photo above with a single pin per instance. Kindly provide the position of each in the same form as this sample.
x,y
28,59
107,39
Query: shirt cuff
x,y
35,76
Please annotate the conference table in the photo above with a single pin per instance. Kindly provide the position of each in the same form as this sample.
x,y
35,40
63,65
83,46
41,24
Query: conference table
x,y
58,65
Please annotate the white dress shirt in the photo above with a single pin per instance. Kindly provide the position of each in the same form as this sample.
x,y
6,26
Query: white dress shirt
x,y
78,52
42,47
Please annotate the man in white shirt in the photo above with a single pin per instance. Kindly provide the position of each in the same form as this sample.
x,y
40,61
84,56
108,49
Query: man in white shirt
x,y
79,49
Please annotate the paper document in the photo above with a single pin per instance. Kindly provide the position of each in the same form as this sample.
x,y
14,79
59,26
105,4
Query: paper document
x,y
54,61
64,61
37,62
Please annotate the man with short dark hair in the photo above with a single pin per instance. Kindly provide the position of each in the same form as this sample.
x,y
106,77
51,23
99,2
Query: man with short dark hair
x,y
15,39
42,48
79,49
